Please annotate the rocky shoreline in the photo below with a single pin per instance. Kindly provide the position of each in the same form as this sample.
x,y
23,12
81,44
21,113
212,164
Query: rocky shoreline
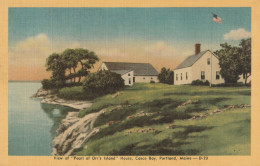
x,y
72,131
50,97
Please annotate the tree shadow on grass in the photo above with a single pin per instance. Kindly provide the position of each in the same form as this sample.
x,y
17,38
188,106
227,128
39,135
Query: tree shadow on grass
x,y
161,104
182,135
116,115
214,101
166,114
176,93
164,147
168,147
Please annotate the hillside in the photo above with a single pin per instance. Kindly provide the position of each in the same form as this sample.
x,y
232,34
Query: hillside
x,y
159,119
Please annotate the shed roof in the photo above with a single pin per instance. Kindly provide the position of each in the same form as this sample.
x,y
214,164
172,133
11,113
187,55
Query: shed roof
x,y
121,72
191,60
140,69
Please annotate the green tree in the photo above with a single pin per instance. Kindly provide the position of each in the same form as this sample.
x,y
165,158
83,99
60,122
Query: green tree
x,y
245,58
55,64
69,57
229,62
69,65
78,62
235,61
166,76
86,59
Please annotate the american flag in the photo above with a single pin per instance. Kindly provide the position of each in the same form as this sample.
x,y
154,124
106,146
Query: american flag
x,y
217,19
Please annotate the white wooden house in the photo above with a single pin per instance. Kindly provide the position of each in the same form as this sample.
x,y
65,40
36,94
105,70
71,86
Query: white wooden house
x,y
200,66
132,72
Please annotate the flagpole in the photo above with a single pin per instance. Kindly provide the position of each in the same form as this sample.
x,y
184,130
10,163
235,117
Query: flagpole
x,y
211,54
216,19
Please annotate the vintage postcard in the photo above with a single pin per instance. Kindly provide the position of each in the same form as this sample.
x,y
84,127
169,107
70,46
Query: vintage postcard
x,y
129,83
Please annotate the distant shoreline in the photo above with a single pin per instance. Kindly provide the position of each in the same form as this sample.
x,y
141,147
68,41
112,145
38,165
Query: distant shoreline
x,y
23,81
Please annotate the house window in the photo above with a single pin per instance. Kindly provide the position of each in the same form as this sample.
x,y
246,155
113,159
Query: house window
x,y
186,75
176,77
133,79
144,78
244,76
208,61
130,81
203,75
217,75
181,76
151,78
129,74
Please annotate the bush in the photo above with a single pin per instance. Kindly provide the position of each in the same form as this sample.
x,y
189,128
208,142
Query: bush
x,y
48,84
239,84
73,93
166,76
200,83
152,81
52,84
103,82
206,82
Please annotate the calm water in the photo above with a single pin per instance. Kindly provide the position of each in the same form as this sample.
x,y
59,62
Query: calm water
x,y
31,125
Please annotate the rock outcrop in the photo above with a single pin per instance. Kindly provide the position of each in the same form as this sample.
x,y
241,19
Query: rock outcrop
x,y
73,132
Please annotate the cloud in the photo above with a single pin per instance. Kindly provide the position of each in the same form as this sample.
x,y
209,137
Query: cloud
x,y
111,52
31,50
35,49
237,34
160,48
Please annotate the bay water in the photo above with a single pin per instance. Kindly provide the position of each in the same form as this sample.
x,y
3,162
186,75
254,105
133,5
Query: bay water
x,y
31,124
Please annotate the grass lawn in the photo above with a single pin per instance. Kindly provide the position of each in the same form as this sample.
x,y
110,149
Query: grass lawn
x,y
152,122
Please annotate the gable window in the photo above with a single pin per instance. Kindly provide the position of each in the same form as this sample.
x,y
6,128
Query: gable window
x,y
176,77
186,75
129,74
203,75
208,61
181,76
217,75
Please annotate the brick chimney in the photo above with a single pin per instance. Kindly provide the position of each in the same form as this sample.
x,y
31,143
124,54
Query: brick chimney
x,y
197,48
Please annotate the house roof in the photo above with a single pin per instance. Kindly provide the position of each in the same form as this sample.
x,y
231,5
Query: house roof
x,y
191,60
121,72
140,69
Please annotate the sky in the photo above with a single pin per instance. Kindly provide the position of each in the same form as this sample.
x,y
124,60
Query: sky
x,y
161,36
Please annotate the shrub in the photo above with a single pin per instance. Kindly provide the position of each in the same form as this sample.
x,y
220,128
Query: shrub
x,y
52,84
199,82
239,84
48,84
103,82
166,76
152,81
206,82
73,93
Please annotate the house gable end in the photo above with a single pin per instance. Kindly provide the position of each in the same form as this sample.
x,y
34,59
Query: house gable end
x,y
188,62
